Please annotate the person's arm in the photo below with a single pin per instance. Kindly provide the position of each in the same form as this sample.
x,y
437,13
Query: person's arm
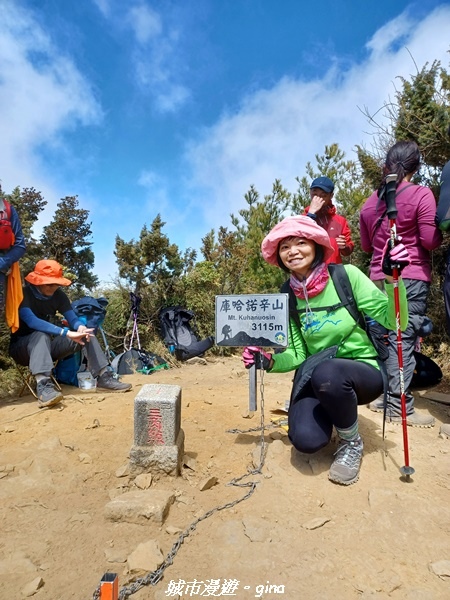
x,y
374,303
429,235
294,355
29,318
78,332
346,234
366,242
73,321
317,203
18,249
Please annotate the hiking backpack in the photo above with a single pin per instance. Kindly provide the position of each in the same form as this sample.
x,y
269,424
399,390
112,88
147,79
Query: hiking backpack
x,y
137,360
91,311
443,207
6,232
179,333
376,333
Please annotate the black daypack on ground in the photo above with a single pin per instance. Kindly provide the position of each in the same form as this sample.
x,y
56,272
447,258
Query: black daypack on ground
x,y
179,333
137,361
375,332
426,372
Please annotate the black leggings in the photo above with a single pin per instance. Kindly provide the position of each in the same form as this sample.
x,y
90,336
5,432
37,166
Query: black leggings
x,y
332,396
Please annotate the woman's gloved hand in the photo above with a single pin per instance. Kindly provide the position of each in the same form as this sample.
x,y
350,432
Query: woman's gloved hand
x,y
252,355
396,256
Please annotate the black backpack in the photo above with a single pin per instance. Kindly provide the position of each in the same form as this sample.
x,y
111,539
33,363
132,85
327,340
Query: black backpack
x,y
443,207
179,333
137,360
375,332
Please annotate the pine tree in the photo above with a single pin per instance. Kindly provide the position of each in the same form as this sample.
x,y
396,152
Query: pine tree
x,y
67,240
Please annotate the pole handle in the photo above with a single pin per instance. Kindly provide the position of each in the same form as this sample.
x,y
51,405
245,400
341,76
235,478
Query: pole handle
x,y
391,190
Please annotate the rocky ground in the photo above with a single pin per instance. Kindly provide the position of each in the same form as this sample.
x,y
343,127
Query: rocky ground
x,y
296,537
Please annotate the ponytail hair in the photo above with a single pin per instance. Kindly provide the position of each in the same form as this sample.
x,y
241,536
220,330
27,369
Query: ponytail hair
x,y
403,159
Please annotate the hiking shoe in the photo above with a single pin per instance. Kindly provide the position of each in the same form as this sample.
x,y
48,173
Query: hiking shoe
x,y
415,419
346,465
47,393
377,405
445,430
107,381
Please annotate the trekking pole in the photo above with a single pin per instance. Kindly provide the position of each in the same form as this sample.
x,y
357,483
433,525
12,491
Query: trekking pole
x,y
252,398
391,181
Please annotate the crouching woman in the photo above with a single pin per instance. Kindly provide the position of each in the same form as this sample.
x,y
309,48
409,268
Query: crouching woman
x,y
336,386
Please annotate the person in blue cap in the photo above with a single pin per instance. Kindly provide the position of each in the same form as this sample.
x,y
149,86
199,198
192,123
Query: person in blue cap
x,y
323,212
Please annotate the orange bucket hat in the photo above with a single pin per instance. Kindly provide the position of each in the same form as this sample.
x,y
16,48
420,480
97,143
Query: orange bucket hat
x,y
47,272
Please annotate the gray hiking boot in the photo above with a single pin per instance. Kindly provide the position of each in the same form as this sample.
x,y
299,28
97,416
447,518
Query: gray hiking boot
x,y
445,430
414,419
47,393
393,414
377,405
346,465
107,381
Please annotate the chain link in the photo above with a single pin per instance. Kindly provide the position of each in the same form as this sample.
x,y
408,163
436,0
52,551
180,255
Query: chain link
x,y
154,577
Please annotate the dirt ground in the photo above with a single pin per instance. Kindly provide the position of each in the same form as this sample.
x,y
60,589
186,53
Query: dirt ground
x,y
297,537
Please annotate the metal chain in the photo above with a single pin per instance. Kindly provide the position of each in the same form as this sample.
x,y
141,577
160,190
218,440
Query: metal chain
x,y
154,577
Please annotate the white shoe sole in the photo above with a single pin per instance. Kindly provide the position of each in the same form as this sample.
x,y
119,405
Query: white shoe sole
x,y
52,402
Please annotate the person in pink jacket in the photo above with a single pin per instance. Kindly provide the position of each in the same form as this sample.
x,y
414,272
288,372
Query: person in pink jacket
x,y
416,228
323,212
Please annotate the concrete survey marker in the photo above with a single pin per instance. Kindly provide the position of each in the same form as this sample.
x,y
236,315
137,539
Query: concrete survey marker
x,y
252,320
158,437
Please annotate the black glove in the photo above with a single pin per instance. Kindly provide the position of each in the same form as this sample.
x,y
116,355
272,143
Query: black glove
x,y
395,256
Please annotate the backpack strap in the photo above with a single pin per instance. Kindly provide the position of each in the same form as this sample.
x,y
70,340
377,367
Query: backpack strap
x,y
345,292
293,313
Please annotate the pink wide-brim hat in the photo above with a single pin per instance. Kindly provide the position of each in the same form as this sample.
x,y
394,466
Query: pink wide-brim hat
x,y
298,226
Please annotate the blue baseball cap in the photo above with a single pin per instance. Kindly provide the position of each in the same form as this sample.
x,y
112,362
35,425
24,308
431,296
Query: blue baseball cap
x,y
324,183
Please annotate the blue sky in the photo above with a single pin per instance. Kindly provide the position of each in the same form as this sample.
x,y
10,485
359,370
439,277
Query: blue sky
x,y
177,107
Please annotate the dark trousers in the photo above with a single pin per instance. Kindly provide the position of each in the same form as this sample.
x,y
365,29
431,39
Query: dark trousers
x,y
332,396
38,351
447,292
3,283
417,294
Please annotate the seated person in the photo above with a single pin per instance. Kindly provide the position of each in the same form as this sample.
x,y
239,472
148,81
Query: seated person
x,y
38,342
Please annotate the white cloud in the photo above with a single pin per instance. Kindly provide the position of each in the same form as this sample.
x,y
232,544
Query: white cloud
x,y
156,58
145,22
154,41
42,96
103,6
275,132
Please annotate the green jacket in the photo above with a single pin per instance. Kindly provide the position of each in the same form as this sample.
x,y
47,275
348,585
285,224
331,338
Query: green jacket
x,y
322,329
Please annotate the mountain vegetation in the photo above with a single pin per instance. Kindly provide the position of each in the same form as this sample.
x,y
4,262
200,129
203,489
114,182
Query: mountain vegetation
x,y
230,261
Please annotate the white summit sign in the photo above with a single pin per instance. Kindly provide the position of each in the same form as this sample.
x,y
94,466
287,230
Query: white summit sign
x,y
252,320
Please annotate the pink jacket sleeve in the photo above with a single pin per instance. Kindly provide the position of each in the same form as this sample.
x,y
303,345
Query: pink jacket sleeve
x,y
366,242
430,236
